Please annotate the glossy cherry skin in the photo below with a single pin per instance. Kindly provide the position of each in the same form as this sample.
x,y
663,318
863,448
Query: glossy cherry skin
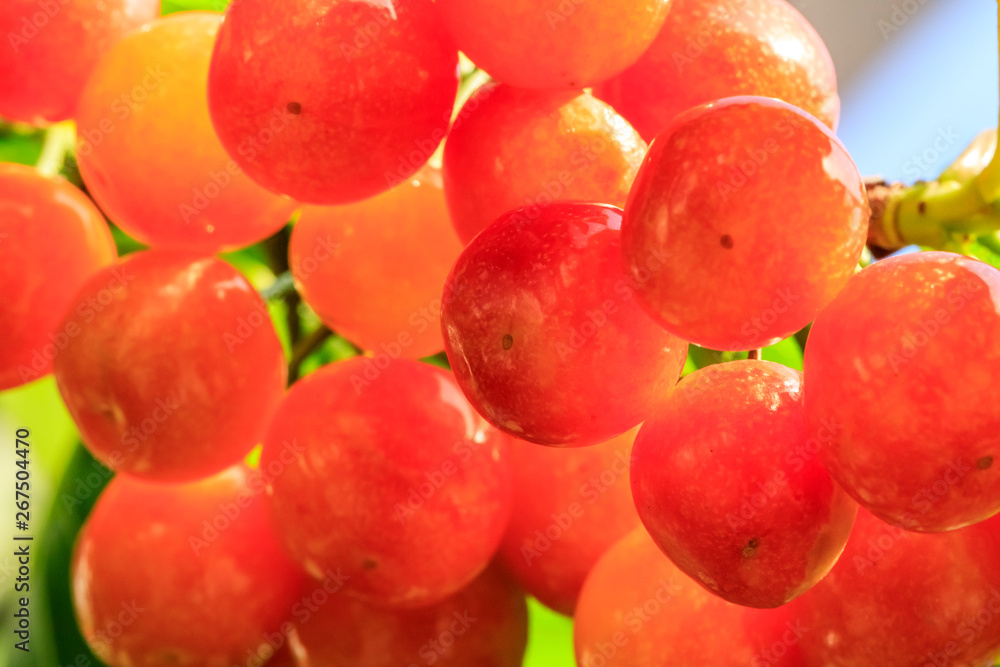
x,y
52,239
335,101
763,216
727,482
510,148
51,47
484,624
899,370
543,331
186,574
569,45
570,506
373,271
176,368
711,49
637,609
147,150
899,598
387,473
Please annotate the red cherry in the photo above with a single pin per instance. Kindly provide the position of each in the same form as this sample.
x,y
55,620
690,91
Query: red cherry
x,y
899,374
389,474
181,574
762,214
637,609
484,624
175,370
900,598
332,102
570,506
726,480
52,239
711,49
544,333
52,46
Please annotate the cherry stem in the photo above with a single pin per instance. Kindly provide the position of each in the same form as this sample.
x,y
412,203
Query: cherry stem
x,y
936,213
276,247
304,348
59,142
280,288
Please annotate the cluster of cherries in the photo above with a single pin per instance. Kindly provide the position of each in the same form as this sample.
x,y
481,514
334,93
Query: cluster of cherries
x,y
397,513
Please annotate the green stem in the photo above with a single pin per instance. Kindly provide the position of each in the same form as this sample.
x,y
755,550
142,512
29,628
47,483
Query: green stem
x,y
59,141
937,213
991,243
280,288
928,213
304,348
276,247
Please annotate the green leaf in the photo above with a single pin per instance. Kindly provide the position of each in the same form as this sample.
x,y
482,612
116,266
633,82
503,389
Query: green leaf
x,y
38,407
22,146
123,242
440,360
987,249
171,6
787,352
550,637
84,480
